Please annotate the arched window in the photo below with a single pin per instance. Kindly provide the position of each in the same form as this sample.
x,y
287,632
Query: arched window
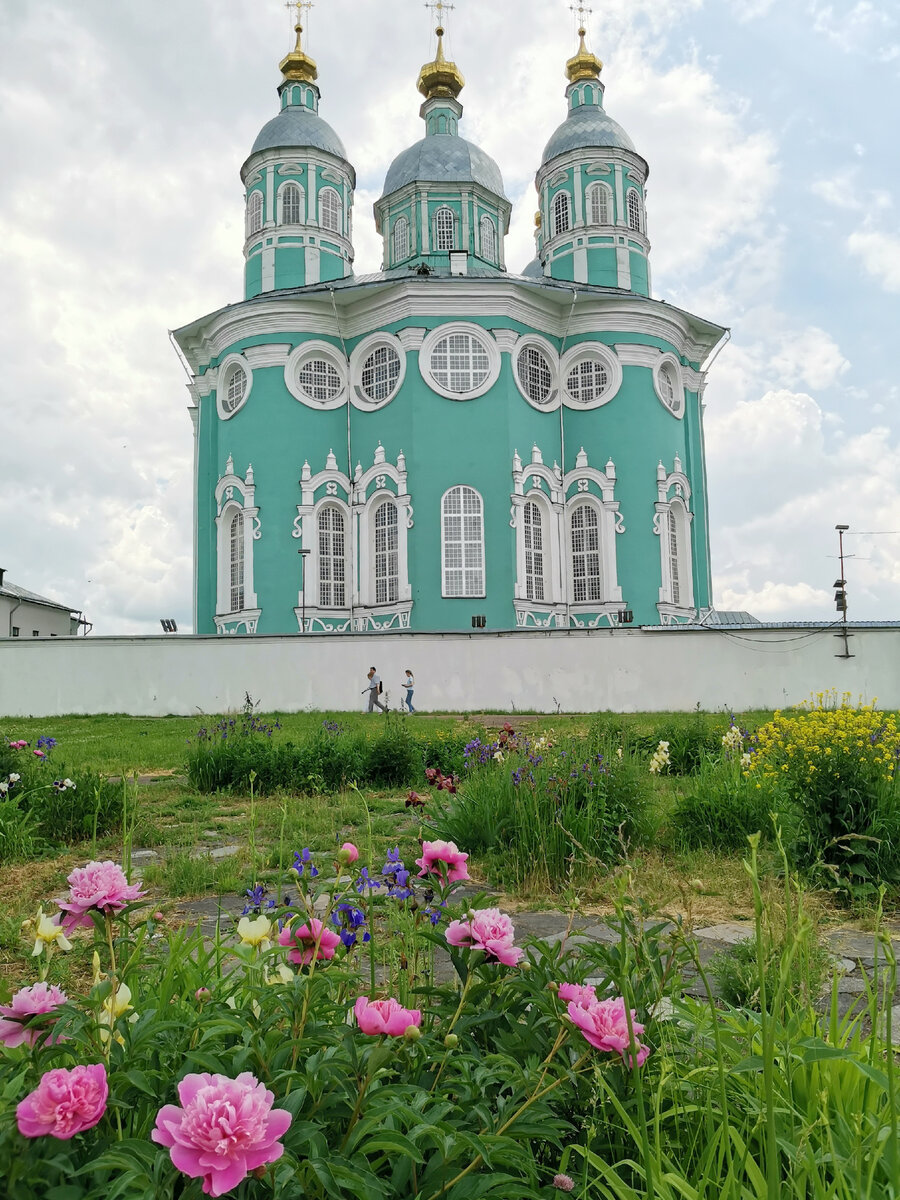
x,y
254,212
534,552
488,239
587,583
444,229
387,565
462,542
330,210
672,549
667,386
236,539
401,239
634,211
235,389
291,204
332,559
561,220
534,374
600,204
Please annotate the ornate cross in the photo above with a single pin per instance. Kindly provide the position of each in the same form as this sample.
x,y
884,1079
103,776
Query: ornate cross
x,y
299,5
439,6
582,10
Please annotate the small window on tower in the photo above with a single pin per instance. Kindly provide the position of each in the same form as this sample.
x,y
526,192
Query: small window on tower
x,y
291,204
561,221
444,229
635,216
330,210
488,239
254,212
401,239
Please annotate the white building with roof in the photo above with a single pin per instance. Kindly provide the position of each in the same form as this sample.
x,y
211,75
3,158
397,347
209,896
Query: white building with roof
x,y
26,614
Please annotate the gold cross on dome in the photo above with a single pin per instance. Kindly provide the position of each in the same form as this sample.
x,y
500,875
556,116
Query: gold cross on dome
x,y
582,11
439,8
299,6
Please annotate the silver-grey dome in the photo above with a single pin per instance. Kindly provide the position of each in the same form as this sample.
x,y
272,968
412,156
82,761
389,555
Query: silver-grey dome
x,y
443,158
295,126
587,125
534,270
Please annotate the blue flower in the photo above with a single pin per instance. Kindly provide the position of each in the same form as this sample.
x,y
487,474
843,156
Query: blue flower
x,y
302,860
366,881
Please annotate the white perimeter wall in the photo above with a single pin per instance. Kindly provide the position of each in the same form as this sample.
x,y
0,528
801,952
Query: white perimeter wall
x,y
576,671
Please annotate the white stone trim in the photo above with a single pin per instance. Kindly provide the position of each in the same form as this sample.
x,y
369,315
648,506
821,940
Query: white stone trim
x,y
303,354
223,374
598,351
436,335
464,595
550,352
634,354
365,517
669,360
358,356
227,504
279,203
678,504
411,337
273,355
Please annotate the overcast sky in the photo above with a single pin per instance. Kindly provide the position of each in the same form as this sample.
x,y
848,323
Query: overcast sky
x,y
771,130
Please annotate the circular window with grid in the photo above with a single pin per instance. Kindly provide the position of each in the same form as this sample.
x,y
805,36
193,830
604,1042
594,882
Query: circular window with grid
x,y
459,361
233,388
380,373
592,376
316,375
536,365
669,385
377,370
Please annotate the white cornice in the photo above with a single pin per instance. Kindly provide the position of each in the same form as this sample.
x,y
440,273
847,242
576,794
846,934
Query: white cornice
x,y
275,354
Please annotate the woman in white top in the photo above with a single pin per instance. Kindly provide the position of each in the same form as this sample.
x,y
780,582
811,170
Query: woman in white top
x,y
409,683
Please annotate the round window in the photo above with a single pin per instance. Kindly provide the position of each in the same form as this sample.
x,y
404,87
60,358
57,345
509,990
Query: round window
x,y
380,373
535,374
235,390
667,385
588,381
460,363
319,380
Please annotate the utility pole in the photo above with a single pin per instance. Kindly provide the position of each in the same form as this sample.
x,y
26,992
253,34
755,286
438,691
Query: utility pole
x,y
840,595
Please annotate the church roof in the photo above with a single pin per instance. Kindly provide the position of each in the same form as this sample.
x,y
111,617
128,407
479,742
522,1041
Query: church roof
x,y
443,158
296,126
587,125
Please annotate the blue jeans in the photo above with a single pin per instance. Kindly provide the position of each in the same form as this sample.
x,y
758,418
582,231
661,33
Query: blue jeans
x,y
409,696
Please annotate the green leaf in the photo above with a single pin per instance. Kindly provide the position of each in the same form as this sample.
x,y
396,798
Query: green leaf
x,y
389,1139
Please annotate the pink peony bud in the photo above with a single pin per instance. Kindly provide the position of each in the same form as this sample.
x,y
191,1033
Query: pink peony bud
x,y
385,1016
348,853
202,993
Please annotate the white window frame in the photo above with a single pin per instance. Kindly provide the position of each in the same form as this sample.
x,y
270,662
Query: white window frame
x,y
488,243
358,359
297,360
585,503
392,578
438,234
485,339
669,510
596,191
301,205
562,213
331,505
337,210
668,363
400,239
535,568
594,352
466,545
634,210
255,218
235,495
224,372
236,559
551,356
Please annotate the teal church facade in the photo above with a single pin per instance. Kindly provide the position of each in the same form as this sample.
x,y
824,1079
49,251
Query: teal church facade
x,y
445,443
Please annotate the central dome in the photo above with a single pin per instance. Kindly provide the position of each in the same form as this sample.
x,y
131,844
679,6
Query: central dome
x,y
444,158
296,126
585,126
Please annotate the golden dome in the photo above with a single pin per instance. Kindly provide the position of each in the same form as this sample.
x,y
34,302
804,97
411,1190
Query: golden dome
x,y
583,65
440,78
298,67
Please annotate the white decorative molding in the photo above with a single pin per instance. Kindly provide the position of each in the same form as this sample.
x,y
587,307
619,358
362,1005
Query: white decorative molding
x,y
291,168
676,596
411,337
307,352
244,622
275,354
634,354
481,336
551,355
598,352
358,357
224,373
233,495
506,339
668,364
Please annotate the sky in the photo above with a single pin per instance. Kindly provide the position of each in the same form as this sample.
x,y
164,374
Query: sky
x,y
773,208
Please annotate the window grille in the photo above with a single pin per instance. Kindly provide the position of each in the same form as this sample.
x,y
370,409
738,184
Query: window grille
x,y
534,552
236,538
319,379
534,374
460,363
330,210
291,204
380,373
600,205
254,213
561,220
667,387
444,229
463,543
488,239
387,563
672,531
634,210
586,578
332,560
401,239
588,380
235,390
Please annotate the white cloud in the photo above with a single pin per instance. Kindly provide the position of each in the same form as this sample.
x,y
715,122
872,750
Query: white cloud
x,y
879,254
771,600
809,356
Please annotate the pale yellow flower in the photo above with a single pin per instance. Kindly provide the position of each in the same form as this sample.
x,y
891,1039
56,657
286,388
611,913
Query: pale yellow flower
x,y
256,933
115,1005
49,934
283,974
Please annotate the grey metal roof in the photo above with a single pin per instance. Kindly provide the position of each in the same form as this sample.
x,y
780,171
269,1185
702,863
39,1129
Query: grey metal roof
x,y
20,593
296,126
443,158
587,125
534,270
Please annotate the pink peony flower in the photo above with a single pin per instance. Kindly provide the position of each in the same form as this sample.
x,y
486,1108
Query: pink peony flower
x,y
225,1129
15,1027
308,941
385,1016
583,995
444,860
101,886
490,930
348,853
66,1101
605,1026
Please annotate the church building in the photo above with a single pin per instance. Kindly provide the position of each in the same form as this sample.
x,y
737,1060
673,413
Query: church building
x,y
447,443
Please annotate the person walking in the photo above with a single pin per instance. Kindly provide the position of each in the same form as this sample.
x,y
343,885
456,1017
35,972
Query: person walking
x,y
409,683
374,690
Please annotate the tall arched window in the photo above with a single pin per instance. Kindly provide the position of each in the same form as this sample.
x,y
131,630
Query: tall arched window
x,y
488,239
672,548
634,210
387,565
444,229
330,210
587,583
534,552
401,239
600,204
254,212
462,542
291,204
236,539
561,220
332,559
